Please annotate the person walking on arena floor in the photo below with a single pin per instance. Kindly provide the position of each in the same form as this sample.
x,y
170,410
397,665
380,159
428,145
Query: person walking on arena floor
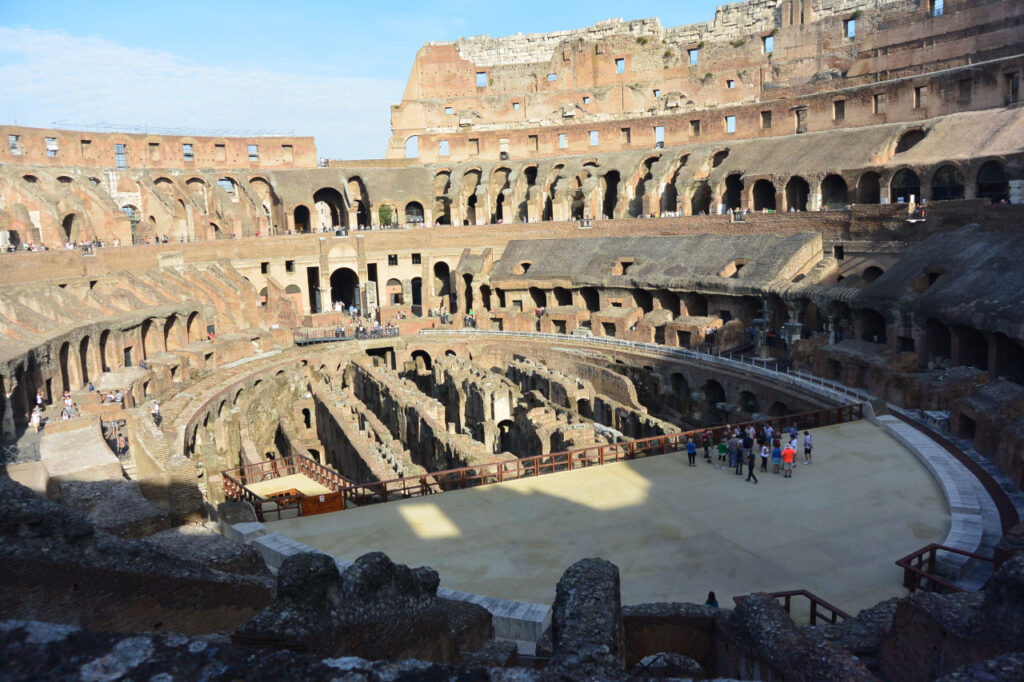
x,y
808,445
750,466
764,457
691,451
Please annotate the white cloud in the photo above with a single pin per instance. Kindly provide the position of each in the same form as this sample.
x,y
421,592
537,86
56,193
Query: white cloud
x,y
52,76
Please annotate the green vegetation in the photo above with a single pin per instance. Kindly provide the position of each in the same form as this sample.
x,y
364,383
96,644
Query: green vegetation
x,y
386,214
641,40
738,43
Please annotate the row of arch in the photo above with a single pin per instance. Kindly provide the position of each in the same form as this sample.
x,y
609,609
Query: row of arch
x,y
83,359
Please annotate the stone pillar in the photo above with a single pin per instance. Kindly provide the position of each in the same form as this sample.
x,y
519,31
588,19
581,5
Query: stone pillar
x,y
587,635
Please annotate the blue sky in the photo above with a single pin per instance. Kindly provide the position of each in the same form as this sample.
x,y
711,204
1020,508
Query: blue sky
x,y
327,69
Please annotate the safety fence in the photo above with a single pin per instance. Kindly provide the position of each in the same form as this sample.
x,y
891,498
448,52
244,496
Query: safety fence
x,y
920,569
348,494
819,608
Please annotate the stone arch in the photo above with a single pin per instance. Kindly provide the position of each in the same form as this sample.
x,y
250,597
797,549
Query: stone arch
x,y
499,184
83,358
797,191
591,299
763,195
422,360
905,186
973,347
611,193
345,286
834,192
148,342
360,200
63,356
442,280
993,183
104,345
869,188
193,327
412,147
330,208
301,218
700,201
938,340
732,195
714,395
871,273
747,403
72,227
393,292
171,333
414,213
909,139
947,183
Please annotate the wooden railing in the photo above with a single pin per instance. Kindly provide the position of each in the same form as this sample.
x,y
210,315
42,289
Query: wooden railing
x,y
358,494
919,569
819,608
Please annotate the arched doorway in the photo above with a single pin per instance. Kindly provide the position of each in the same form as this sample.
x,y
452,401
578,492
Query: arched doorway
x,y
834,193
993,183
733,196
301,215
330,207
414,213
422,360
700,202
345,286
83,357
70,225
869,188
947,184
938,341
714,397
611,193
905,187
442,282
764,195
748,403
797,191
871,273
393,291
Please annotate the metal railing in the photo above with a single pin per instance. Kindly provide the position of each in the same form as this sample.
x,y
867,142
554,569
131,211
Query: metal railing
x,y
304,337
919,569
764,367
819,608
359,494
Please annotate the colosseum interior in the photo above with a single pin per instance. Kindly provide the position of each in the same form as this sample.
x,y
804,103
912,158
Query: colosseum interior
x,y
233,372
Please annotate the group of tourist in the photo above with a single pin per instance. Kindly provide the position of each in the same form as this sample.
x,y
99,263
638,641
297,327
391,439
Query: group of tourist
x,y
739,446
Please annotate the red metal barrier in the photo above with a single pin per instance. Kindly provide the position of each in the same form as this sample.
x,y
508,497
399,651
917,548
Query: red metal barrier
x,y
359,494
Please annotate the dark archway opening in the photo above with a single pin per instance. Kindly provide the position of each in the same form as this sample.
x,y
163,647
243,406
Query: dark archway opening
x,y
332,212
905,187
733,196
700,202
973,348
869,188
834,193
797,191
993,183
591,299
947,184
938,340
873,326
345,286
871,273
714,398
611,193
764,195
669,199
414,213
301,219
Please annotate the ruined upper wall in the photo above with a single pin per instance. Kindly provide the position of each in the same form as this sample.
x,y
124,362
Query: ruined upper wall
x,y
731,21
527,90
51,147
